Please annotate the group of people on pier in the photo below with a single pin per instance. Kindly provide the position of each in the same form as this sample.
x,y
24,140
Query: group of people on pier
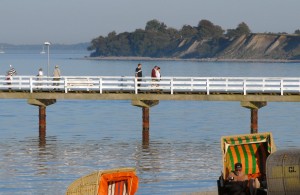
x,y
12,72
155,74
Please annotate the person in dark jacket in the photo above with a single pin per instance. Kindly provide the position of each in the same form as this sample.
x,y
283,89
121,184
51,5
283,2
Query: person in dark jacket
x,y
139,74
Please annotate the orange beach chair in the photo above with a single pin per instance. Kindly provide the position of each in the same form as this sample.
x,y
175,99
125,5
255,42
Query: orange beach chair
x,y
120,181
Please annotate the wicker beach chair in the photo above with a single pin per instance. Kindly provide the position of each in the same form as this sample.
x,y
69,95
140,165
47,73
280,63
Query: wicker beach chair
x,y
252,151
120,181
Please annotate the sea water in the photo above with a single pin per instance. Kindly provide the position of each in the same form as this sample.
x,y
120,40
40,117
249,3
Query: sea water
x,y
183,155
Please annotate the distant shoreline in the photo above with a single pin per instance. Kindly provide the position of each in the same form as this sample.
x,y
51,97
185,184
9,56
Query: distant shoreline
x,y
132,58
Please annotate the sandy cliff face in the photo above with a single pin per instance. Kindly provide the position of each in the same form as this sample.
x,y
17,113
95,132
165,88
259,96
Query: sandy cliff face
x,y
254,46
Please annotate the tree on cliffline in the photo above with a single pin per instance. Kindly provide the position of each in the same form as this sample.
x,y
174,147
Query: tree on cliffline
x,y
188,31
155,25
242,29
207,29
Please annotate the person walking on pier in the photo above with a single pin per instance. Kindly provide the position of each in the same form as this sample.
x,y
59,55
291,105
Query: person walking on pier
x,y
56,75
158,76
40,75
10,73
139,74
153,75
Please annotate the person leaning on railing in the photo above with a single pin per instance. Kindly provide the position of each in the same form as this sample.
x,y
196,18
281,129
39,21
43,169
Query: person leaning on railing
x,y
238,180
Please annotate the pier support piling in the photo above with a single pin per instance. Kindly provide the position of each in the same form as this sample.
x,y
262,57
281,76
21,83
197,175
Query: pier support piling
x,y
254,121
145,126
145,105
254,106
42,120
42,104
42,126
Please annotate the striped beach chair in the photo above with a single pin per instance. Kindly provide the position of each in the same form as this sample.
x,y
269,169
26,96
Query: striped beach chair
x,y
251,150
121,181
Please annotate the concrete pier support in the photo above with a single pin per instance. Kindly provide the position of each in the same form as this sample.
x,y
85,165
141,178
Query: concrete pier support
x,y
254,106
42,126
145,105
42,120
146,120
42,104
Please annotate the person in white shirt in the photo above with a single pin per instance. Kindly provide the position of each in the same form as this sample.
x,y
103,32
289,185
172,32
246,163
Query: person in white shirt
x,y
39,76
157,75
40,73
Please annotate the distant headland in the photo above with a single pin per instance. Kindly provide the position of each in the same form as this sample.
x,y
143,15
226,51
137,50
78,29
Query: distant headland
x,y
204,42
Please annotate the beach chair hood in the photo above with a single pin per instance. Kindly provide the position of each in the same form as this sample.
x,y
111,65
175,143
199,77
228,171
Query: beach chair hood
x,y
117,183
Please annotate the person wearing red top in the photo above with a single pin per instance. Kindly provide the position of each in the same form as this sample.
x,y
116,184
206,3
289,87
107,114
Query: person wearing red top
x,y
153,75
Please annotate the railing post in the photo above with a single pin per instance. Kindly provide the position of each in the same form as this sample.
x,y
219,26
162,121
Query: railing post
x,y
226,84
192,83
172,85
20,79
281,86
30,85
100,85
244,87
135,85
66,85
207,86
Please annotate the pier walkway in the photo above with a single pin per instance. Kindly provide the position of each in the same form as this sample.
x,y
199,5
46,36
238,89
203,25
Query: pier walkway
x,y
269,89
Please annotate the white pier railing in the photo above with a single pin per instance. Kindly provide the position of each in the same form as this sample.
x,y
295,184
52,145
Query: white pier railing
x,y
171,85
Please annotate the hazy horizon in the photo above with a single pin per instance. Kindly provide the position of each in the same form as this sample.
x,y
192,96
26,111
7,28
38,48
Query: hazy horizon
x,y
77,21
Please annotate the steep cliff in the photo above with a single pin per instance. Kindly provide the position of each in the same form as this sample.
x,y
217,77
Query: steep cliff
x,y
197,44
263,46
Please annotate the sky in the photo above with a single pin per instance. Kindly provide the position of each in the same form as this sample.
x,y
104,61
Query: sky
x,y
78,21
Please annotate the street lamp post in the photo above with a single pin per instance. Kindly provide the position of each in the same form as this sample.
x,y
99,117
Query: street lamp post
x,y
47,43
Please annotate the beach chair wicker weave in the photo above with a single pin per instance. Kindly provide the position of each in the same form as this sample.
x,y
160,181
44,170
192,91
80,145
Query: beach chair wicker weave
x,y
120,181
85,185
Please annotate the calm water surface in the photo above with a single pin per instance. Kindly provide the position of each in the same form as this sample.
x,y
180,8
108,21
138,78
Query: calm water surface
x,y
82,136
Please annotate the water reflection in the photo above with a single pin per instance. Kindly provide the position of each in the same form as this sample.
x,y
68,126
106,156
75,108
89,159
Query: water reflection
x,y
164,164
42,140
48,162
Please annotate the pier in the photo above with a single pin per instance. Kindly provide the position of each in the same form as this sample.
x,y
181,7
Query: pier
x,y
252,92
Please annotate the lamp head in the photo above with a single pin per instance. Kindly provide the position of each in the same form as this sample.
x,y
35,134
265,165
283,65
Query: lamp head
x,y
47,43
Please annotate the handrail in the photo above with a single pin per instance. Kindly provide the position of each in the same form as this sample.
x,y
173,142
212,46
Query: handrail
x,y
171,85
